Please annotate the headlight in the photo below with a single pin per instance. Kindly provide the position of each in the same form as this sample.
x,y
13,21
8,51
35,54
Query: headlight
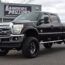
x,y
17,28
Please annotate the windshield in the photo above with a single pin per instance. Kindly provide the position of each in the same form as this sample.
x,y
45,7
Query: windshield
x,y
32,16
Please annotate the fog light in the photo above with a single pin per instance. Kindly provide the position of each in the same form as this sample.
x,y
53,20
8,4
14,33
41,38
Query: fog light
x,y
15,38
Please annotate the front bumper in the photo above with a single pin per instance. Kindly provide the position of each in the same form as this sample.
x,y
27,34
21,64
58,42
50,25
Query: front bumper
x,y
11,41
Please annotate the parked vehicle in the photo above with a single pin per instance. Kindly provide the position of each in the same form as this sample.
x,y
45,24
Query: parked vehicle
x,y
28,30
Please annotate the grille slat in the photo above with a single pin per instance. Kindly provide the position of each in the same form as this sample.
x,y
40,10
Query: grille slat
x,y
4,32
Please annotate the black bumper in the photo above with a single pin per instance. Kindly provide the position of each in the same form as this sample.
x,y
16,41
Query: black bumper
x,y
12,41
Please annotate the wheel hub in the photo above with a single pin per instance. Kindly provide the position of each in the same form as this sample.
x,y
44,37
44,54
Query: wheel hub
x,y
32,48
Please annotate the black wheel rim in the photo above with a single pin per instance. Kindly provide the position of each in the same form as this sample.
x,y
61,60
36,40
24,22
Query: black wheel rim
x,y
32,48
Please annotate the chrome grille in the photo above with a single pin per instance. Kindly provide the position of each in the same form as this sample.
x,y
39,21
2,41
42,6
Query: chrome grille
x,y
4,31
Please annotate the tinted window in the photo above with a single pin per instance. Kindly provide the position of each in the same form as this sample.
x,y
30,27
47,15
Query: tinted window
x,y
43,18
44,15
54,18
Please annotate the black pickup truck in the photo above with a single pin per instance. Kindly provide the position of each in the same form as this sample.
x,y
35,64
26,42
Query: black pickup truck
x,y
28,30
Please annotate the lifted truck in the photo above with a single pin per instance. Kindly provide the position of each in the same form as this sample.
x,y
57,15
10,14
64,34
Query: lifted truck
x,y
28,30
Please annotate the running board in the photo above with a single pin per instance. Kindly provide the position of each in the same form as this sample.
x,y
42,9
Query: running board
x,y
51,41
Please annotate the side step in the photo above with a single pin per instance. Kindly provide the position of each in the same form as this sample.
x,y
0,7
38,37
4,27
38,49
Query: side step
x,y
51,41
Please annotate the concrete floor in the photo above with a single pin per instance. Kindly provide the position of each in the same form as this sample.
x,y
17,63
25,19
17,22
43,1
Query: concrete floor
x,y
54,56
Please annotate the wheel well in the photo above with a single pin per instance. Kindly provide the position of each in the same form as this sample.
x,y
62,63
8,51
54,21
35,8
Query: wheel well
x,y
31,33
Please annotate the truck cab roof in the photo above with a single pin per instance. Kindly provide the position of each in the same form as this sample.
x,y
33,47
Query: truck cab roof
x,y
33,16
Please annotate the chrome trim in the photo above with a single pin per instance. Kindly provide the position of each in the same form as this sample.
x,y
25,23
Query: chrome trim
x,y
51,41
51,33
16,35
22,35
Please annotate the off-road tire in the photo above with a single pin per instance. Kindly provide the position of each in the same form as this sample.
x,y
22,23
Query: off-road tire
x,y
27,47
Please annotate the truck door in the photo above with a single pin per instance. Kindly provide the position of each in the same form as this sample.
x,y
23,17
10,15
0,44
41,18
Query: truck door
x,y
44,28
56,27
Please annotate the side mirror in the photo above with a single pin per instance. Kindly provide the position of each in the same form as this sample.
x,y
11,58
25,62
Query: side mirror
x,y
40,21
46,20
